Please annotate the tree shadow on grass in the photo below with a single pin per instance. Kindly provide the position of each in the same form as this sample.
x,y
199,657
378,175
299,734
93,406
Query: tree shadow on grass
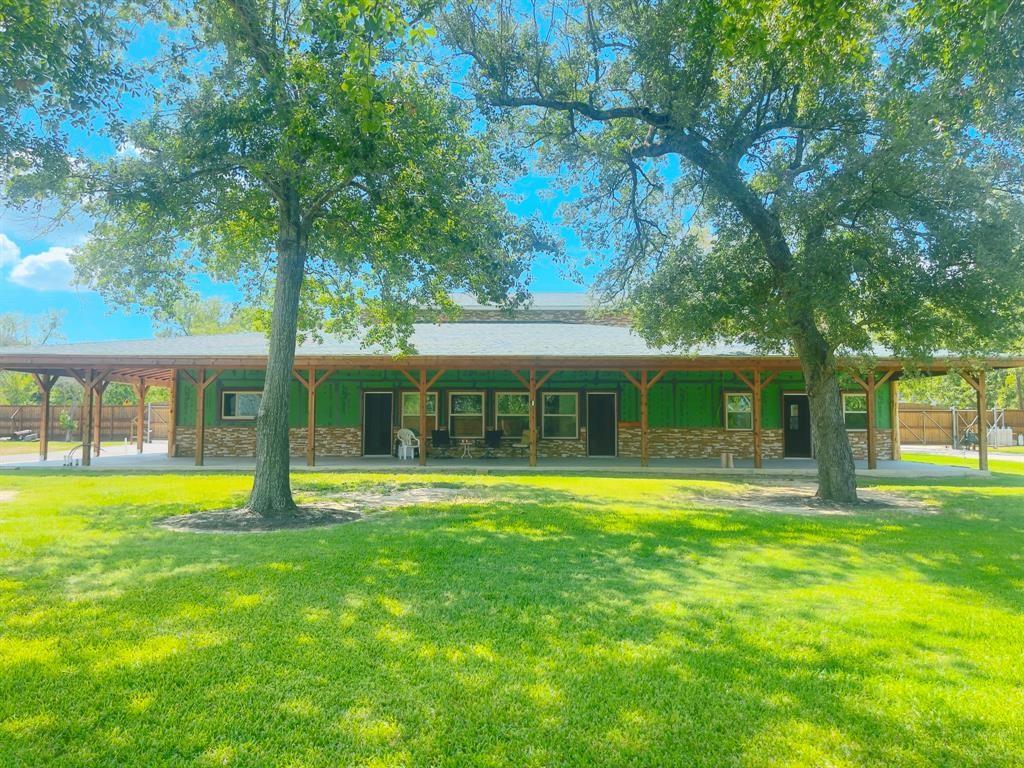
x,y
542,627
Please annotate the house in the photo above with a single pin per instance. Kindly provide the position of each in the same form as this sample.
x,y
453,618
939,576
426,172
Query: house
x,y
558,379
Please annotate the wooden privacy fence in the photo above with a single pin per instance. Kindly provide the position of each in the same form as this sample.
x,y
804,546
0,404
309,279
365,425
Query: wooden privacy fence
x,y
932,425
116,424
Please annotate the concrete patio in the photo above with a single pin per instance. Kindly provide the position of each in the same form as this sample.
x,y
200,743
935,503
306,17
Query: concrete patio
x,y
118,458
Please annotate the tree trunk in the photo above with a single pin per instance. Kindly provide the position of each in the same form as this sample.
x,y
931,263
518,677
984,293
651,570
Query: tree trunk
x,y
837,478
1019,373
271,490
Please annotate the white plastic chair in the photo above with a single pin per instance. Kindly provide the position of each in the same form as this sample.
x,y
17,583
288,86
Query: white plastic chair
x,y
408,443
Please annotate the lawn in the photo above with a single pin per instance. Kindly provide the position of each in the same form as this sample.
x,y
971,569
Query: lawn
x,y
23,448
563,622
1004,467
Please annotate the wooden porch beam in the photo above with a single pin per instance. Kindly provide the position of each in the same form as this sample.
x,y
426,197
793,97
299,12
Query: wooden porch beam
x,y
544,379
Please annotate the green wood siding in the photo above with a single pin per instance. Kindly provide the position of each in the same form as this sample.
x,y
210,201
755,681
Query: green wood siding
x,y
685,399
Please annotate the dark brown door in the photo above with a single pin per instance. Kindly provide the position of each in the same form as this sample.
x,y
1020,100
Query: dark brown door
x,y
601,424
377,424
796,426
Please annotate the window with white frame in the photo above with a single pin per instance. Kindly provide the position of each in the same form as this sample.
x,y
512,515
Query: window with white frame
x,y
512,413
240,405
411,411
560,415
466,414
855,410
739,410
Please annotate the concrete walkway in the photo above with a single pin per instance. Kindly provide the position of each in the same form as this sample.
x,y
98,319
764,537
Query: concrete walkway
x,y
157,461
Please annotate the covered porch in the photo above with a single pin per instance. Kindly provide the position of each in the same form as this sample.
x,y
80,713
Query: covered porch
x,y
562,395
118,458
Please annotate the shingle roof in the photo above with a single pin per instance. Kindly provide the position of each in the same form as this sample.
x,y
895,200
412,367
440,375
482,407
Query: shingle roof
x,y
447,340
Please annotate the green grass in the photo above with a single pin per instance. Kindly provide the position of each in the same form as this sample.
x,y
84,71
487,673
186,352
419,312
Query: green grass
x,y
1010,449
18,448
569,621
1005,467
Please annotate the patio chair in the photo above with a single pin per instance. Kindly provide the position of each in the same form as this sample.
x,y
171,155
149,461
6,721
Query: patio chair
x,y
492,442
523,444
408,444
441,440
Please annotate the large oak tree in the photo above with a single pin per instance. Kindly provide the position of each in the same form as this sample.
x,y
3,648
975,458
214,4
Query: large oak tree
x,y
824,178
307,151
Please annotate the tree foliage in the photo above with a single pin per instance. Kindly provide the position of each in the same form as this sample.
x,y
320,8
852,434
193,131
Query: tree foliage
x,y
198,316
20,330
61,69
316,158
825,178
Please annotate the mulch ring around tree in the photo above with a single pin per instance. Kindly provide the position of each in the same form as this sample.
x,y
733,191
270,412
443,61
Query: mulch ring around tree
x,y
796,497
345,508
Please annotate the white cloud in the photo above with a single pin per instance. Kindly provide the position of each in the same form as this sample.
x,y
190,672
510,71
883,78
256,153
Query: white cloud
x,y
9,251
50,270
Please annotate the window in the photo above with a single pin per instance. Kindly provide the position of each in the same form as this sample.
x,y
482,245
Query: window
x,y
240,406
512,413
560,415
466,414
411,411
855,411
739,410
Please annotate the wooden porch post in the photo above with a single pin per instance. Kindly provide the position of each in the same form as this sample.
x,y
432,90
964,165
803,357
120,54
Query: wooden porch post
x,y
90,379
311,419
870,385
643,386
312,384
201,382
172,416
97,419
872,452
643,419
201,417
757,385
982,426
45,383
977,381
423,385
87,414
533,417
756,417
140,412
894,418
423,417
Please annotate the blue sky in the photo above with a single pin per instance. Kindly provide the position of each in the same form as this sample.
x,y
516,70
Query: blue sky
x,y
36,276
